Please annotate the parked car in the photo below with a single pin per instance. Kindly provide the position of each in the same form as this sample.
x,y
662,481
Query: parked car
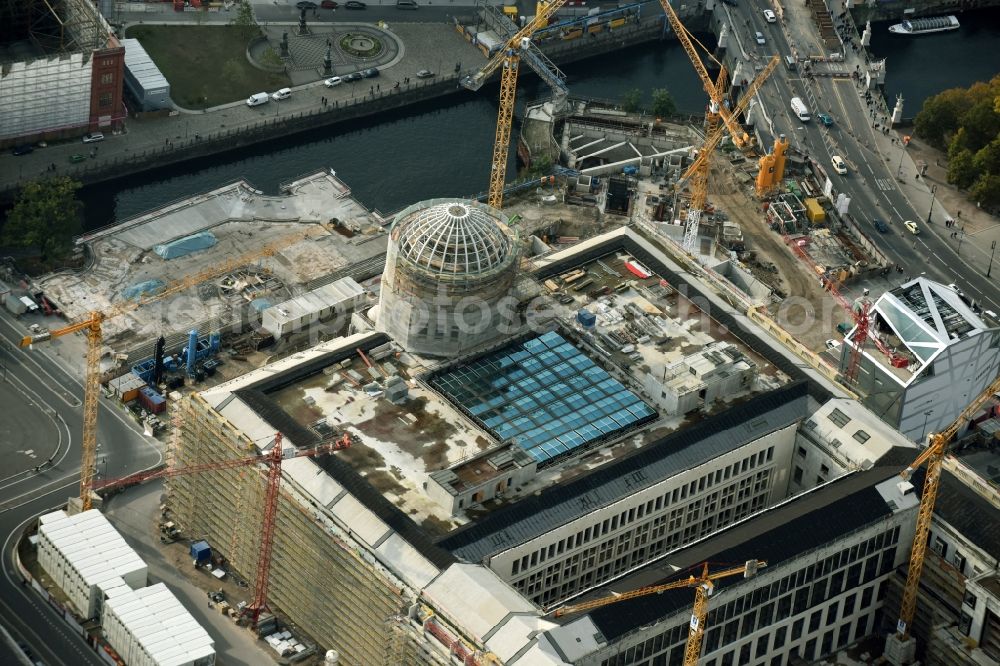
x,y
305,4
77,158
825,119
93,137
759,36
425,74
23,149
353,76
328,4
839,165
284,93
731,3
769,16
333,81
370,73
911,227
882,227
407,4
354,4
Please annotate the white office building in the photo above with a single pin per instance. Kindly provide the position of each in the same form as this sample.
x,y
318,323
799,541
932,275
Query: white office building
x,y
942,355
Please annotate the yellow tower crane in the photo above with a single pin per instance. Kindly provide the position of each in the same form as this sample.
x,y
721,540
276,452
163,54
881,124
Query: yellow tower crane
x,y
91,328
703,585
932,457
697,173
509,58
715,90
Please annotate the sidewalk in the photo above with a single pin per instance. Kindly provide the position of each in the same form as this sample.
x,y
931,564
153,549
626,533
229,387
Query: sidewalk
x,y
434,46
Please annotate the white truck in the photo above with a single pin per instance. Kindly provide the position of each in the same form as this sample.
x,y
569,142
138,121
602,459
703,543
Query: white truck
x,y
800,109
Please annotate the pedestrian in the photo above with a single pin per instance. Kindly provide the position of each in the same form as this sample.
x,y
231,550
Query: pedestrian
x,y
959,215
166,142
378,87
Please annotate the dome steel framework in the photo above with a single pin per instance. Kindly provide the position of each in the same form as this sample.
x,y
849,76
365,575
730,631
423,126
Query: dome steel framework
x,y
454,238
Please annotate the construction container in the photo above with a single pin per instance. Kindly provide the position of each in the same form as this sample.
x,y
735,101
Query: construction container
x,y
201,552
126,388
586,318
814,211
152,401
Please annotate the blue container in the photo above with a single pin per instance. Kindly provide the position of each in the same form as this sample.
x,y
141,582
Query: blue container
x,y
201,551
586,318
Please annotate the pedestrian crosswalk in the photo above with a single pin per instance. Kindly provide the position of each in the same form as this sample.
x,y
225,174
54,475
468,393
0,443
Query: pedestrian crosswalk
x,y
885,184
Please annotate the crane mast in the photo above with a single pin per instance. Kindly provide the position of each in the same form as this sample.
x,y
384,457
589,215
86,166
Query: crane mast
x,y
933,458
509,59
91,327
273,460
703,584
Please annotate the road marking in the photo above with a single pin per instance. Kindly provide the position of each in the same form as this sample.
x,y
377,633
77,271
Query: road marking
x,y
884,184
60,425
31,598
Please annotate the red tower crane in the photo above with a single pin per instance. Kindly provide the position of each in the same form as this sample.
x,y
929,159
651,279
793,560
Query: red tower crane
x,y
860,312
273,459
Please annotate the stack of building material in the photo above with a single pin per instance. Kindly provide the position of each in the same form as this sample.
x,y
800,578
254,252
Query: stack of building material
x,y
84,555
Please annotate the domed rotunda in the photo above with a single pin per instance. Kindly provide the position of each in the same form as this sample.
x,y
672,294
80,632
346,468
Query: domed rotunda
x,y
449,265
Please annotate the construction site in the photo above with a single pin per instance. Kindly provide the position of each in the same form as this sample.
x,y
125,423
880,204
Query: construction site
x,y
63,71
572,424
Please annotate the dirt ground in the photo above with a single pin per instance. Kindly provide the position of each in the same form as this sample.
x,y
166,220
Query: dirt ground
x,y
794,277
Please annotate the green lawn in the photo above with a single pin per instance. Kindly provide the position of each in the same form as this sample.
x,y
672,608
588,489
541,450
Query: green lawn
x,y
205,65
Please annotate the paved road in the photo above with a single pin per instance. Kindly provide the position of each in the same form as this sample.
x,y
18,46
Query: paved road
x,y
56,399
275,12
881,180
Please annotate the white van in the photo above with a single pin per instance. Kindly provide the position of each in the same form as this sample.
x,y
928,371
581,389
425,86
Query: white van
x,y
258,99
839,165
800,109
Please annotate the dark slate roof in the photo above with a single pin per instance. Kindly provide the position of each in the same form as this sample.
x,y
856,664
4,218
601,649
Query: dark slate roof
x,y
678,451
969,513
775,536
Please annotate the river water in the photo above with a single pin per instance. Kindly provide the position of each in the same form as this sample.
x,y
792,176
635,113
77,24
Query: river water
x,y
920,67
442,148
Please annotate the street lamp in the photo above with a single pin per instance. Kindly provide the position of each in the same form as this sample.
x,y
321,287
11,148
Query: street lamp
x,y
993,249
961,237
933,195
923,433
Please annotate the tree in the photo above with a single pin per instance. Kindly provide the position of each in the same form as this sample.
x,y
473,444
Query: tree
x,y
631,100
663,103
961,170
46,215
987,159
245,21
940,114
986,189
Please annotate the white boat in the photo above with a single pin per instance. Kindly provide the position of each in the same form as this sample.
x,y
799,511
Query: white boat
x,y
925,26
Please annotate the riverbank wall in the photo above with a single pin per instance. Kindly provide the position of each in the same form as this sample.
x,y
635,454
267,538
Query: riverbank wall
x,y
211,139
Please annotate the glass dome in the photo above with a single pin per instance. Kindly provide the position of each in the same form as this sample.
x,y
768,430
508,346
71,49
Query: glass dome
x,y
454,238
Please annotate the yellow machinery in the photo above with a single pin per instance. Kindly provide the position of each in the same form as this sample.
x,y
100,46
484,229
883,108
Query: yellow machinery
x,y
509,58
771,168
703,586
91,327
697,173
716,91
932,457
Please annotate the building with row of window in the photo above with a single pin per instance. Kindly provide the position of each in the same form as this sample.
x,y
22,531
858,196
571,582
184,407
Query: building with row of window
x,y
533,471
